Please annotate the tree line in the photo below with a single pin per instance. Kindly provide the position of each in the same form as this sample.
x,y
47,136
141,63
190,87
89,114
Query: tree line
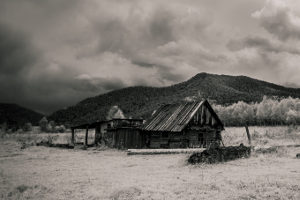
x,y
270,111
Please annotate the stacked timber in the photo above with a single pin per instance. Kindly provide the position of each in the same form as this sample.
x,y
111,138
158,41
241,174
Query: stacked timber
x,y
220,154
162,151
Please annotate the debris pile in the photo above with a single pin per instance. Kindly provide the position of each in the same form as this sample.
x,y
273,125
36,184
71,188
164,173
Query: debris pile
x,y
220,154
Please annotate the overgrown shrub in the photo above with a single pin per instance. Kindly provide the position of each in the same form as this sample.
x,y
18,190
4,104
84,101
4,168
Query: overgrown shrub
x,y
43,124
220,154
49,128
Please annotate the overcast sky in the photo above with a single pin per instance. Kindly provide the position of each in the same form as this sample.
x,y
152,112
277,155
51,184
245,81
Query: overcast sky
x,y
54,53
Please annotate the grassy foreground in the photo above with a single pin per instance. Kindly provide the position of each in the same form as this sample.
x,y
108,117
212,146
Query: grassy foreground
x,y
31,172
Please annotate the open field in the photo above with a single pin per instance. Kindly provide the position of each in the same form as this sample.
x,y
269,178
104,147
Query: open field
x,y
39,172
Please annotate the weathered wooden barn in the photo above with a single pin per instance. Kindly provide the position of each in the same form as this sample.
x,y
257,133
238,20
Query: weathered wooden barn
x,y
187,125
121,133
115,133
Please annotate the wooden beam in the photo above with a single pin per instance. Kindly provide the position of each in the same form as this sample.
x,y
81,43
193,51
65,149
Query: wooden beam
x,y
248,135
73,137
207,114
97,135
203,115
86,136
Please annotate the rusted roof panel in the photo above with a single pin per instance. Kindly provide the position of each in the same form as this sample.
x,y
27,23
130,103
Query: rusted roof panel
x,y
172,117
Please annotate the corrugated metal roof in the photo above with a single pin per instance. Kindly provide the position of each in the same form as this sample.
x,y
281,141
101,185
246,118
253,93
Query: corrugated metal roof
x,y
172,117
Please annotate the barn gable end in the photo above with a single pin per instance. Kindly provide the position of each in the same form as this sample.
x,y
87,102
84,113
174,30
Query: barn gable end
x,y
176,117
183,125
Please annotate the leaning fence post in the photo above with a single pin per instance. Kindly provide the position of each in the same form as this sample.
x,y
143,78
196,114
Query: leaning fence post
x,y
73,137
86,135
248,135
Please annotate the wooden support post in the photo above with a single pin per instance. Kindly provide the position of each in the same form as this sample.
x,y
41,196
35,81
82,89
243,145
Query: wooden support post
x,y
86,136
248,135
222,143
97,135
221,138
73,137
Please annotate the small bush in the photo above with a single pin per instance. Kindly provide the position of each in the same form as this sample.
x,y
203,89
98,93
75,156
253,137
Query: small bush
x,y
27,127
60,129
20,130
22,188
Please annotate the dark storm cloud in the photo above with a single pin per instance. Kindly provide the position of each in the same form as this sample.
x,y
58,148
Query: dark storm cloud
x,y
261,43
16,53
278,19
48,90
291,85
161,26
47,93
55,53
17,56
95,84
127,35
143,64
153,38
165,73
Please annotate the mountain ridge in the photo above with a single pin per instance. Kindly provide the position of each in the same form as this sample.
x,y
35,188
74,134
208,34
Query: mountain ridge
x,y
140,101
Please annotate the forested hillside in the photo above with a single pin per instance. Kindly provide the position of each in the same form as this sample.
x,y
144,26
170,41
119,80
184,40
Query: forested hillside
x,y
142,101
16,116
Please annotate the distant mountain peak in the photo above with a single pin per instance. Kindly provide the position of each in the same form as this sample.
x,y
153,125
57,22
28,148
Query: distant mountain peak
x,y
201,75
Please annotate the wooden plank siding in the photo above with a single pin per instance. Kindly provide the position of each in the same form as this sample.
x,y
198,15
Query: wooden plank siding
x,y
124,138
186,139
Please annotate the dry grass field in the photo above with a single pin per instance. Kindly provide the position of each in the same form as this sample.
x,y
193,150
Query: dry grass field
x,y
37,172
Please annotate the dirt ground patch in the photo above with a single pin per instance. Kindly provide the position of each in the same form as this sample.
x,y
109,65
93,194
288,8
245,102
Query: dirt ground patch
x,y
54,173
